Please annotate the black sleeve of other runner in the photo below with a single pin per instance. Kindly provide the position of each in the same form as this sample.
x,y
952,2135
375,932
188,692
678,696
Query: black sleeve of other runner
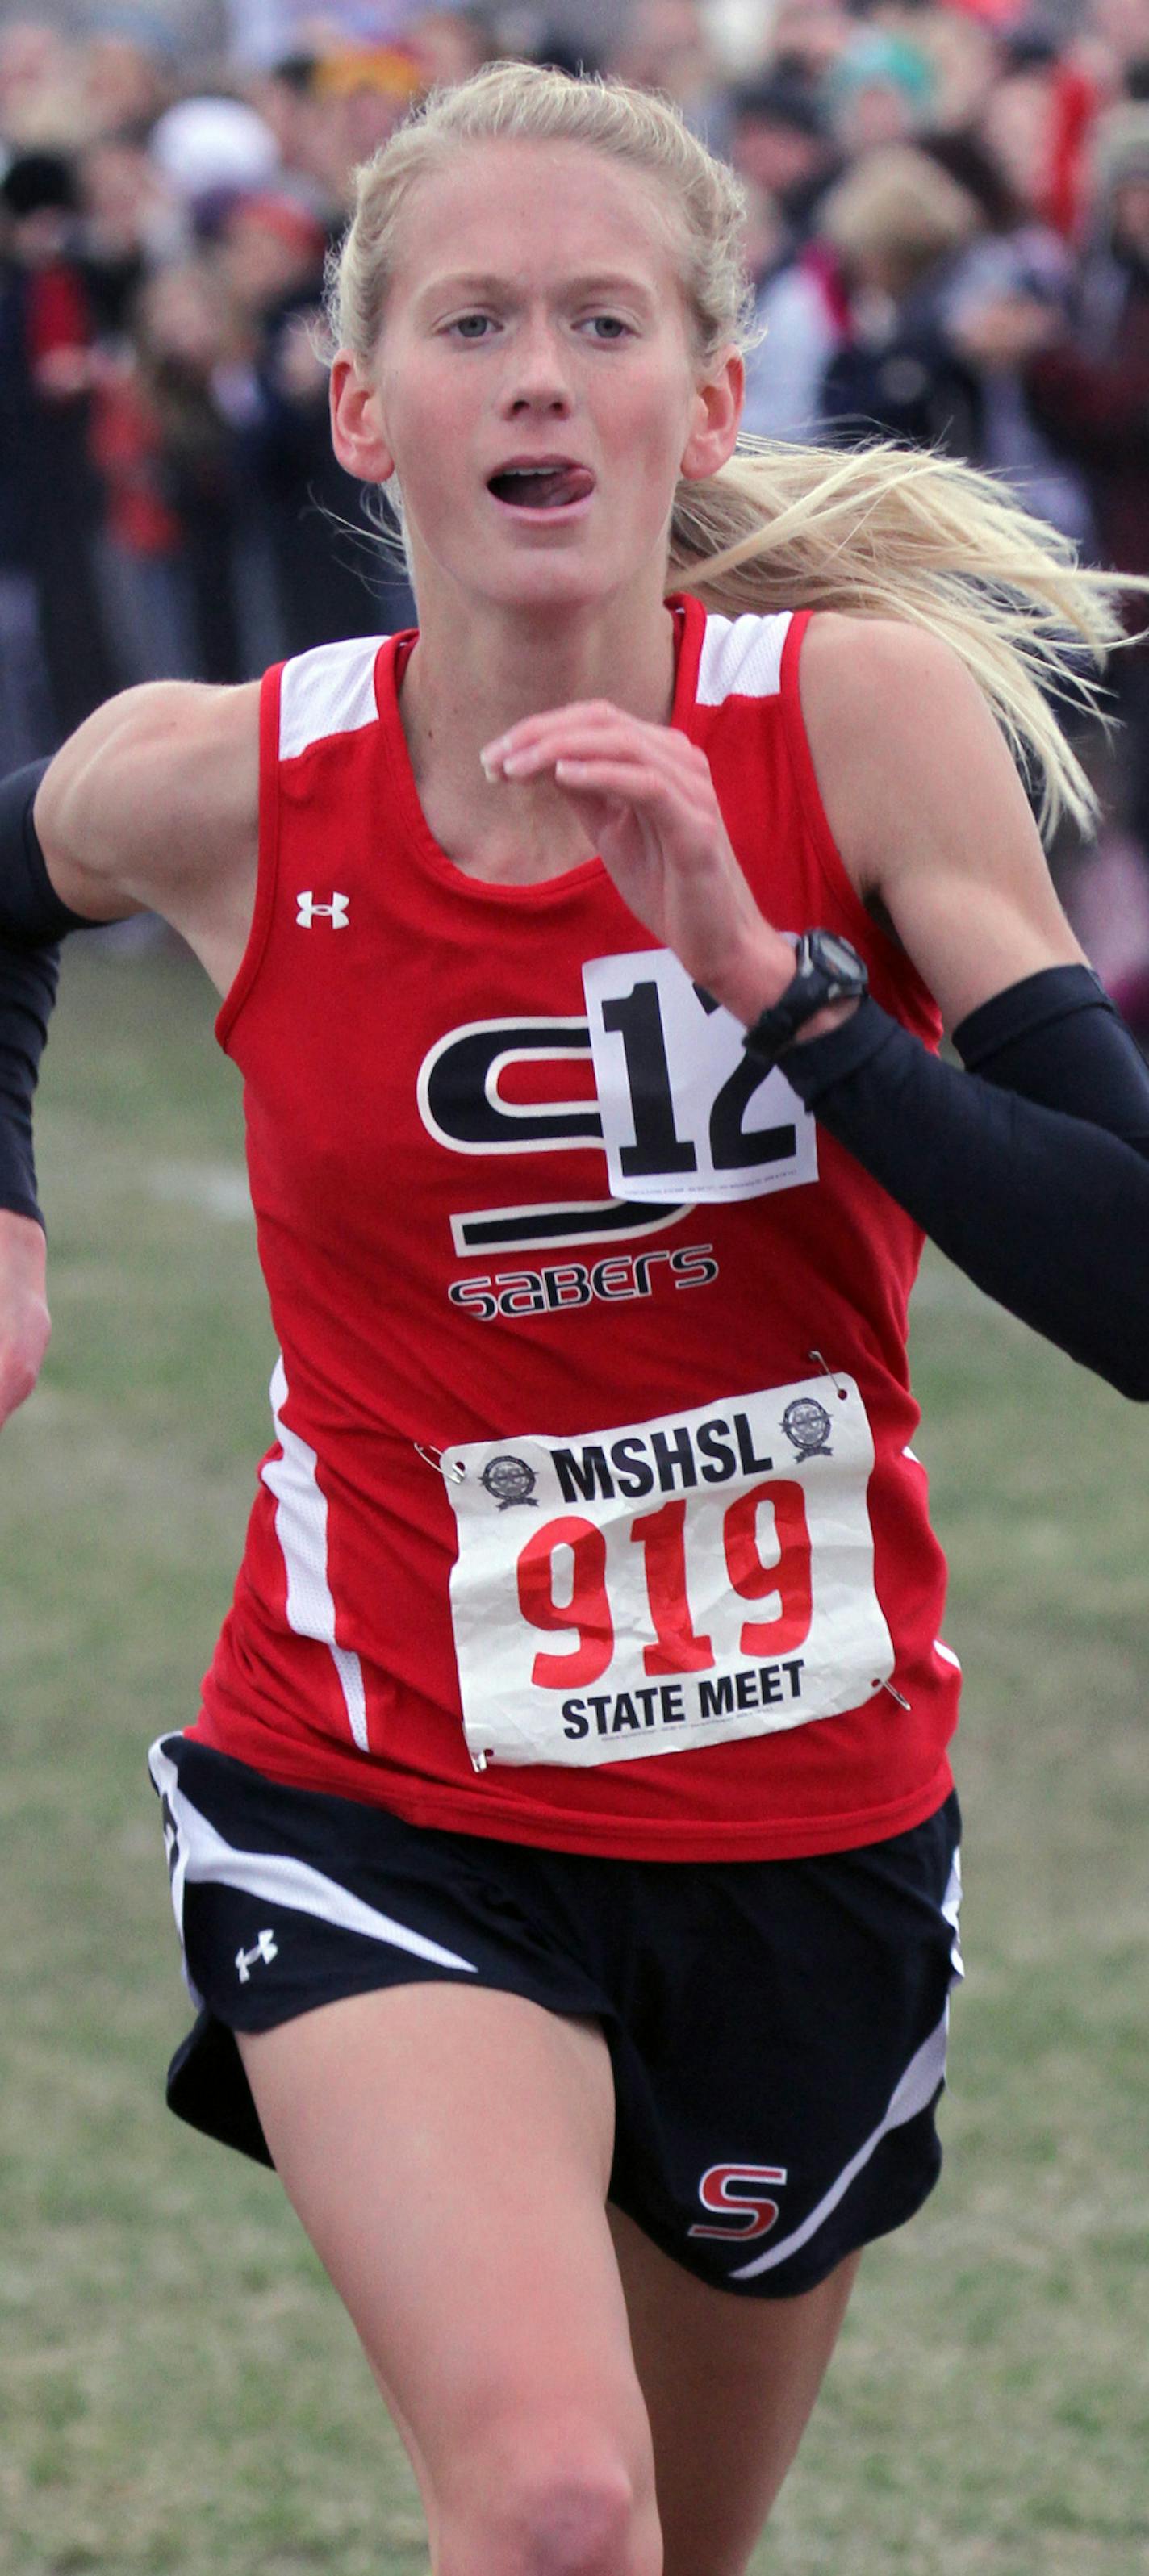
x,y
28,978
1031,1172
32,919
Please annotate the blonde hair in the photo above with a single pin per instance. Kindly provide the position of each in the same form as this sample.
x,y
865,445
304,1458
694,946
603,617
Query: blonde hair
x,y
878,531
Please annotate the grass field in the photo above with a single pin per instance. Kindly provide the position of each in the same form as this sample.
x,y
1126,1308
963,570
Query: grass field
x,y
178,2387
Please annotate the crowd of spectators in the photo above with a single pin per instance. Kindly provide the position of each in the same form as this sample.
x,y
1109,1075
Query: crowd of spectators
x,y
948,233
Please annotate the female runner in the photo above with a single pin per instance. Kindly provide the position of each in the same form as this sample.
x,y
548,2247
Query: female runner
x,y
592,1542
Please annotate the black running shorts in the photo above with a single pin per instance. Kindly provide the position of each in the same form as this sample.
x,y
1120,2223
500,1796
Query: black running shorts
x,y
777,2029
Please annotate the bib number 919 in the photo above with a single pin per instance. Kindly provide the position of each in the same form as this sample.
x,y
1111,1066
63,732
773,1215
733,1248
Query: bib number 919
x,y
655,1585
572,1553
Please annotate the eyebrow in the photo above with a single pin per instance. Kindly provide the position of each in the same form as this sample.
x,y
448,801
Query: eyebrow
x,y
476,283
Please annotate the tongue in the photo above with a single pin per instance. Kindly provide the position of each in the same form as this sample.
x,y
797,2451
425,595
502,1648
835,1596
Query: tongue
x,y
550,487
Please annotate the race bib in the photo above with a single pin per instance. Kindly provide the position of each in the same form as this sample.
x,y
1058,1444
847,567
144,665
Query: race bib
x,y
665,1584
686,1112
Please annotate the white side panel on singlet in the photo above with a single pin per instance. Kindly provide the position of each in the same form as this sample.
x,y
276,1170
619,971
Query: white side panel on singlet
x,y
301,1528
329,690
742,658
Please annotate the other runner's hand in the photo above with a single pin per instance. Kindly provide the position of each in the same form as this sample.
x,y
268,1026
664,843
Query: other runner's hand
x,y
24,1320
647,799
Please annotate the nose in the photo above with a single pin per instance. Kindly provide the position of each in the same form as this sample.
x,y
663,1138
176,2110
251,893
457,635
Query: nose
x,y
537,377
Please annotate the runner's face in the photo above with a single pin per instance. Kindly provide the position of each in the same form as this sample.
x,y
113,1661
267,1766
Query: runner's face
x,y
535,318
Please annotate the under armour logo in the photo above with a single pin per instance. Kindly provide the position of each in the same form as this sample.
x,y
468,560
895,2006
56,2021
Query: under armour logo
x,y
264,1949
335,912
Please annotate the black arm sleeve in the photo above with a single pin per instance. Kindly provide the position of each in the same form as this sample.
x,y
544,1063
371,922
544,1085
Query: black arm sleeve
x,y
32,920
1031,1171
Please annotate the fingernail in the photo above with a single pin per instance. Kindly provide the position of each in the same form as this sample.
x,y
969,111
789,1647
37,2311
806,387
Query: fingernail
x,y
488,763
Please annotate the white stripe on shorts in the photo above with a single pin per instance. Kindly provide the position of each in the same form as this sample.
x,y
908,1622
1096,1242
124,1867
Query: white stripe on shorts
x,y
203,1856
914,2092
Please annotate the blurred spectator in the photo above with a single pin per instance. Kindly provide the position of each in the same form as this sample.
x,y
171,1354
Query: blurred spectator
x,y
880,90
781,145
898,224
1008,295
50,491
126,82
802,316
331,576
664,45
807,36
129,224
449,44
286,97
365,91
271,257
964,59
1089,389
780,142
270,252
1115,34
207,147
1036,121
39,87
193,346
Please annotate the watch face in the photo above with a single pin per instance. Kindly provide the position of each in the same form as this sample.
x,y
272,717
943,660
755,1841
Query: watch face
x,y
836,955
827,969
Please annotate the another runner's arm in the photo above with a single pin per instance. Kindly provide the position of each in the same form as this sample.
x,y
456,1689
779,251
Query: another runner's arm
x,y
1032,1169
151,804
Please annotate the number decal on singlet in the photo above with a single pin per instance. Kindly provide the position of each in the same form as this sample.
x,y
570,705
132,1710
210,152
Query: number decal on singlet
x,y
661,1584
635,1017
683,1113
677,1089
658,1148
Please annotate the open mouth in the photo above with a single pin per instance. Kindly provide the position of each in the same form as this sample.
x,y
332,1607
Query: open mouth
x,y
555,485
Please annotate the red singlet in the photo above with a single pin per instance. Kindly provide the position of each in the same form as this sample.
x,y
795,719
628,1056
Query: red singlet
x,y
591,1519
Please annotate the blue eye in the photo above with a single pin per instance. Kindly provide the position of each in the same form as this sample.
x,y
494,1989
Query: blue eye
x,y
609,326
472,326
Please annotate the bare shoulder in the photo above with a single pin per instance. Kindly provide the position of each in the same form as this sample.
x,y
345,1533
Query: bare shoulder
x,y
154,800
926,805
891,712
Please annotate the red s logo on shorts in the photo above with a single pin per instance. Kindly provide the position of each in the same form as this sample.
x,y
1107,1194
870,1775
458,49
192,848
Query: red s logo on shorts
x,y
737,2190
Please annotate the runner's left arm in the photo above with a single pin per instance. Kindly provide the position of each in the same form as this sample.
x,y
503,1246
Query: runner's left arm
x,y
1031,1171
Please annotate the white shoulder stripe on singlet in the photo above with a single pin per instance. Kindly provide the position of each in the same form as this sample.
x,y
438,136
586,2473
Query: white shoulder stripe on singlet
x,y
741,658
301,1528
331,689
277,1878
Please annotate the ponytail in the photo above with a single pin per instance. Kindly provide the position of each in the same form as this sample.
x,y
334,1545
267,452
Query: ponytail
x,y
884,531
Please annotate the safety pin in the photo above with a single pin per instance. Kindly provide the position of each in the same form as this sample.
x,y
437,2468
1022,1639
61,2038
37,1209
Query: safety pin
x,y
434,1457
842,1392
895,1694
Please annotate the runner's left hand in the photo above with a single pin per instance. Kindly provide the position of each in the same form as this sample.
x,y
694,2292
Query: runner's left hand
x,y
647,800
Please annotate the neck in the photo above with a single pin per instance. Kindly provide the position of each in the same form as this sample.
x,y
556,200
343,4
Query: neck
x,y
469,678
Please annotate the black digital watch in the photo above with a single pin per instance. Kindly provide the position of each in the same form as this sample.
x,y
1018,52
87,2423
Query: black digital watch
x,y
826,969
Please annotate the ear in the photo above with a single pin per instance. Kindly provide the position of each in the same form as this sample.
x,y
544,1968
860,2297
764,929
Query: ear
x,y
357,433
717,413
